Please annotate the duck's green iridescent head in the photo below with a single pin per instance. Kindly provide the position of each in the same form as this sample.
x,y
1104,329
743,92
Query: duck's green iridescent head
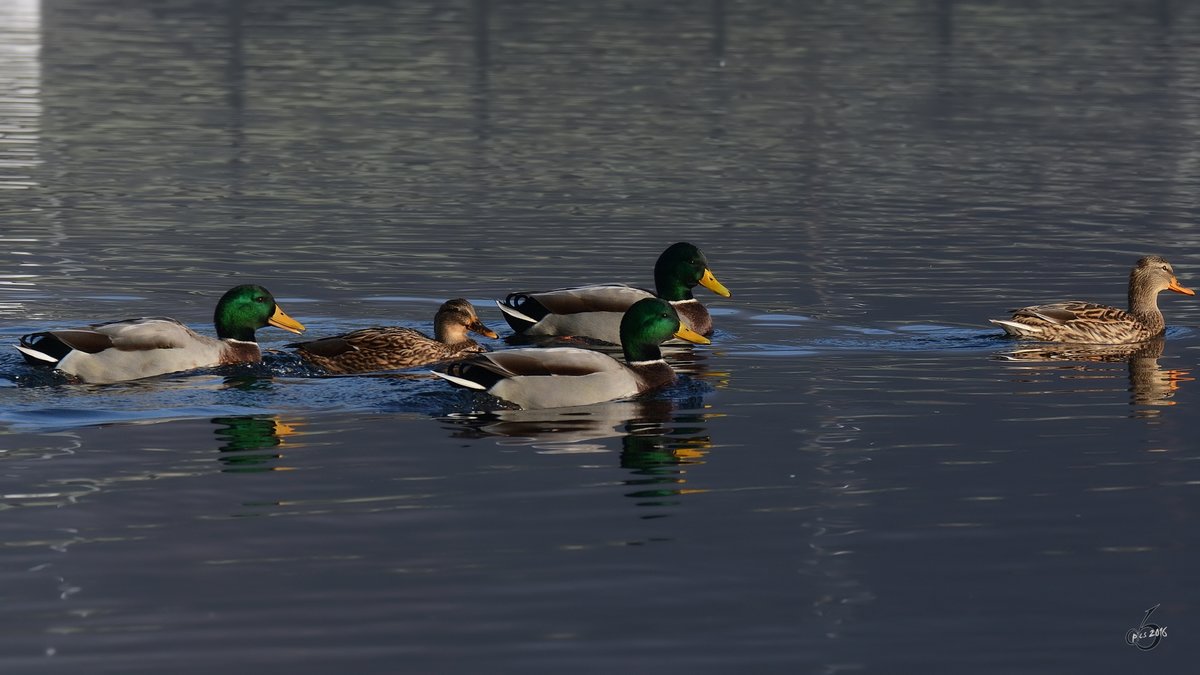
x,y
244,309
649,323
679,269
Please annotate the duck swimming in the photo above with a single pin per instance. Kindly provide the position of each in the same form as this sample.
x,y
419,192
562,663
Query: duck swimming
x,y
136,348
596,311
393,347
568,376
1091,323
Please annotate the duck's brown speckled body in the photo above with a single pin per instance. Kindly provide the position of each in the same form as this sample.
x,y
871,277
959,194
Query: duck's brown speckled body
x,y
393,347
1091,323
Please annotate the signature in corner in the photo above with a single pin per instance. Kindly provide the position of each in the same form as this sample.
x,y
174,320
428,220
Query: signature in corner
x,y
1147,635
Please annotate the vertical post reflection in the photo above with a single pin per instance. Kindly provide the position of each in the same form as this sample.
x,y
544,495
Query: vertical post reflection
x,y
719,31
481,98
945,23
20,92
235,84
480,10
1164,13
20,122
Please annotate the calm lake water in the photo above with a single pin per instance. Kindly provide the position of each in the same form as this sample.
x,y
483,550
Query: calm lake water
x,y
858,475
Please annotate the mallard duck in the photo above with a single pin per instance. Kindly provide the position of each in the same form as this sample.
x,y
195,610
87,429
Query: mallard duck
x,y
390,348
595,311
137,348
1090,323
568,376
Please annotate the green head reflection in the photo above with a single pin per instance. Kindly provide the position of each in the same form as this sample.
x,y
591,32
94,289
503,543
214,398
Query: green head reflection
x,y
243,440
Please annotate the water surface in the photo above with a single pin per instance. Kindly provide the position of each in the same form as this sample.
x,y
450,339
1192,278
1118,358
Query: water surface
x,y
858,474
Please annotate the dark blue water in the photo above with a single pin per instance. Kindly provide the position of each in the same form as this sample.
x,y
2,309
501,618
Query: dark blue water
x,y
857,475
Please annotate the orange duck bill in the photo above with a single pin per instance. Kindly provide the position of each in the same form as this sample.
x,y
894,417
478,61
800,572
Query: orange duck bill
x,y
1174,286
478,327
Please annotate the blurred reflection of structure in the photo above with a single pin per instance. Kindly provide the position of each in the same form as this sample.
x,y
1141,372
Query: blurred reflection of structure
x,y
20,150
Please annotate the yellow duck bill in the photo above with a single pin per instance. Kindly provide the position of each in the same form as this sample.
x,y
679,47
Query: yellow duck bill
x,y
710,282
685,333
280,319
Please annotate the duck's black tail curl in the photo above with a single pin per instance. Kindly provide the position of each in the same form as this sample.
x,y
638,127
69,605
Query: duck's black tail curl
x,y
526,311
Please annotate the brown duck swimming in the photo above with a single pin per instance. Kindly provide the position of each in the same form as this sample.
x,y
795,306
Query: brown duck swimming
x,y
393,347
1090,323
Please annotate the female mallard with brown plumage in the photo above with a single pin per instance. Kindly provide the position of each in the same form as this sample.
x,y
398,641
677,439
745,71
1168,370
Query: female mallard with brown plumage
x,y
1090,323
392,347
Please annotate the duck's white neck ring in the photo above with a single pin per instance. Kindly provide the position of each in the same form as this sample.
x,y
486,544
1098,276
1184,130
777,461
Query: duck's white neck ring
x,y
651,362
681,302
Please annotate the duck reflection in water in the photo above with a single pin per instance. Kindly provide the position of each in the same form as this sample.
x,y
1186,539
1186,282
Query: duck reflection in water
x,y
659,453
1149,384
660,438
243,438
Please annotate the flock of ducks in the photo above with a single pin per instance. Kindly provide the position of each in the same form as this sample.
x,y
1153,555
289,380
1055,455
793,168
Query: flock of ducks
x,y
638,320
540,377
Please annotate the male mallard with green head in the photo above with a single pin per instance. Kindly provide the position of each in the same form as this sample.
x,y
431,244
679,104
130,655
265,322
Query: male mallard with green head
x,y
567,376
1090,323
596,311
135,348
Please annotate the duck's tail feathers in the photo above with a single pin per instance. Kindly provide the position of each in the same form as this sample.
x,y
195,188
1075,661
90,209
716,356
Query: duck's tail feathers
x,y
34,356
460,381
1015,328
43,348
517,320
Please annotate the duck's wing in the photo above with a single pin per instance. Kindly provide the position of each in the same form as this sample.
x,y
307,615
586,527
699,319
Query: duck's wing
x,y
534,305
485,370
327,347
590,311
380,348
545,378
154,332
1077,321
1074,310
560,361
375,339
130,335
594,298
132,349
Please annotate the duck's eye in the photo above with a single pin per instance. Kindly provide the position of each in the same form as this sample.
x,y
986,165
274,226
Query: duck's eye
x,y
260,299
